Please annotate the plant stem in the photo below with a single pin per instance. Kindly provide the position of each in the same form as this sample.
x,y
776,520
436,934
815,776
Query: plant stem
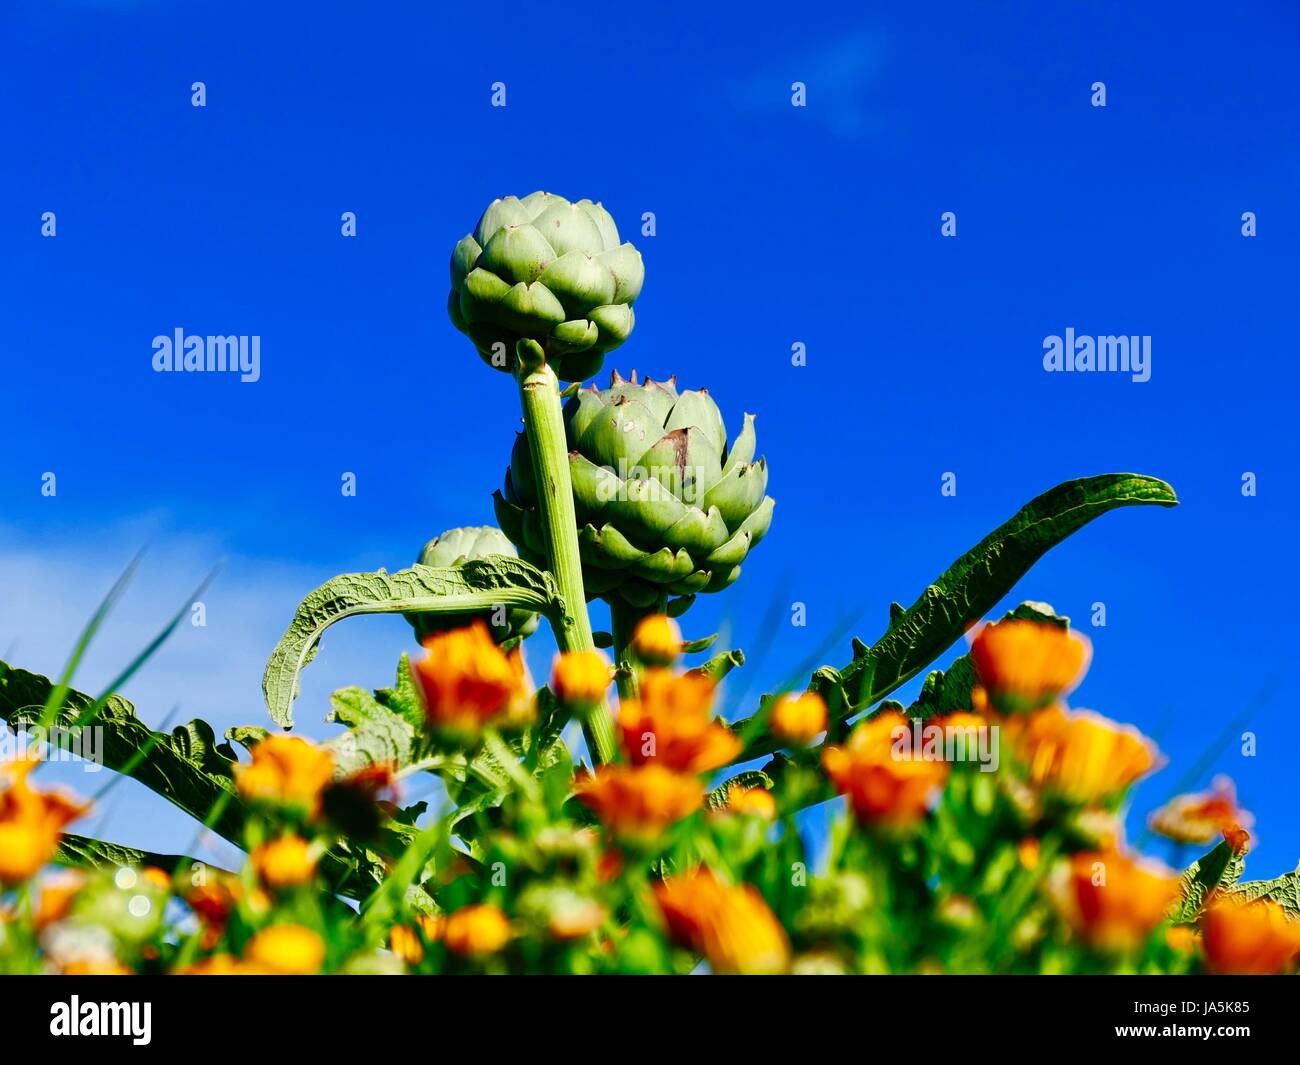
x,y
623,618
539,395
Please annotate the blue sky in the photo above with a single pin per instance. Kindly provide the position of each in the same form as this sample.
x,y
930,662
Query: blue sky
x,y
775,225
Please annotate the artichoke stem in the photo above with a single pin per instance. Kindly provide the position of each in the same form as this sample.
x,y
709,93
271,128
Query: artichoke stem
x,y
539,396
623,618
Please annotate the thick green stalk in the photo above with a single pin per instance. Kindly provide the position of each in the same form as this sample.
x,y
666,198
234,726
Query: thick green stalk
x,y
539,395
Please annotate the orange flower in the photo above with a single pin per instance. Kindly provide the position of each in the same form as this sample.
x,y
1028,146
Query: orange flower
x,y
56,898
579,678
467,681
732,927
1254,938
657,640
1080,756
639,802
1202,816
1114,902
1028,851
1024,665
222,965
31,822
286,771
285,862
798,719
885,785
290,949
476,930
756,801
671,724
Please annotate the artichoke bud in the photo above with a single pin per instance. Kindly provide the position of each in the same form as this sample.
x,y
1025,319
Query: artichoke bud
x,y
456,547
545,269
663,507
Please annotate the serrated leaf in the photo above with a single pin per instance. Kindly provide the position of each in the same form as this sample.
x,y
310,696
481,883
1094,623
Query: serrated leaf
x,y
86,852
183,767
970,587
478,584
376,735
1284,890
1214,871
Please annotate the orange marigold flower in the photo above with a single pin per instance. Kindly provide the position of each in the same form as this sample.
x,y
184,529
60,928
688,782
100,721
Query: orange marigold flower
x,y
798,719
885,784
56,898
1079,756
1114,902
670,723
1024,665
639,802
757,801
218,965
1255,938
289,861
1028,851
1181,939
286,771
580,678
657,640
476,930
405,941
467,681
290,949
31,822
732,927
1200,817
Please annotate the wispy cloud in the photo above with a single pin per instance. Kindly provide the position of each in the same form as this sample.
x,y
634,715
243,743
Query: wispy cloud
x,y
839,75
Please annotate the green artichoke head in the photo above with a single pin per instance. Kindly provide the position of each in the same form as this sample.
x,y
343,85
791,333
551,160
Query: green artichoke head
x,y
454,548
550,271
665,505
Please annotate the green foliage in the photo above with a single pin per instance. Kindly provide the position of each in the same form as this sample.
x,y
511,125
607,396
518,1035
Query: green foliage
x,y
477,585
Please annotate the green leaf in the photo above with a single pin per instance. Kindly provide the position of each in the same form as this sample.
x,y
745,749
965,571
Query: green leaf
x,y
478,584
970,587
86,852
1216,870
751,778
187,768
375,733
720,665
690,647
1284,890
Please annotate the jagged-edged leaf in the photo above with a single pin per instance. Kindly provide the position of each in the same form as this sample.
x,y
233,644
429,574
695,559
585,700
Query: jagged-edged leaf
x,y
1217,870
185,767
375,735
973,584
1284,890
751,778
479,584
86,852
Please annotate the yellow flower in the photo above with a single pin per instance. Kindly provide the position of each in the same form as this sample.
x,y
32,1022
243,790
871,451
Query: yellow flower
x,y
1202,816
476,930
732,927
798,719
1181,939
885,786
1079,756
221,965
579,678
288,861
467,681
755,801
1028,852
671,724
657,640
1256,938
405,941
1114,902
290,949
56,898
31,823
286,771
1024,665
639,802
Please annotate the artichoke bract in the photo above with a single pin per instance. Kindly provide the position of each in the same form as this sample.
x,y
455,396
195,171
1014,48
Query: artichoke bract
x,y
664,505
544,269
453,548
